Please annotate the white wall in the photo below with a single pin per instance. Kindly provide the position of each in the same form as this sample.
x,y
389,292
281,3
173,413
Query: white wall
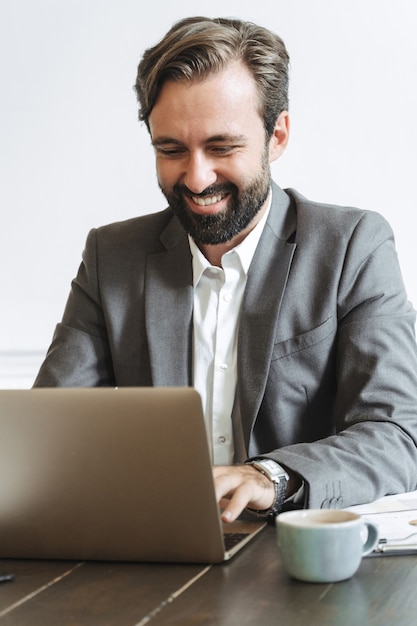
x,y
73,155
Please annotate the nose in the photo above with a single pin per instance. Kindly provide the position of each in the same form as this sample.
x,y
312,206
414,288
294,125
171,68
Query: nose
x,y
199,173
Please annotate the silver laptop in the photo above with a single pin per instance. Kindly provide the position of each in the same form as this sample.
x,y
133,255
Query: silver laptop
x,y
109,474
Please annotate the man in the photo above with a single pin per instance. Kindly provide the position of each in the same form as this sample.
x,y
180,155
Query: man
x,y
289,317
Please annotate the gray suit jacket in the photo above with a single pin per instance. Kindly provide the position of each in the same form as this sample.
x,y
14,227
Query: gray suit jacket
x,y
327,359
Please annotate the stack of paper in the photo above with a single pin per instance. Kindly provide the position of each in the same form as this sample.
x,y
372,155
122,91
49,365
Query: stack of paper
x,y
396,517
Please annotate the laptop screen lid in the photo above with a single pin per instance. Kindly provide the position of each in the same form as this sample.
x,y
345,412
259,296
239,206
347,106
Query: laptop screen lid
x,y
107,474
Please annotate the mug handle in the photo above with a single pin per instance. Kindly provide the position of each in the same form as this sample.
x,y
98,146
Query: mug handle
x,y
372,540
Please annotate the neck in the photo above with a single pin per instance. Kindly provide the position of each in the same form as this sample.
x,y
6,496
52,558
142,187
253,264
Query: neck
x,y
214,253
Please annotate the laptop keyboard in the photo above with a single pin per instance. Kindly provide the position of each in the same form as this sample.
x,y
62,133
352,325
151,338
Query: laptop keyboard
x,y
232,539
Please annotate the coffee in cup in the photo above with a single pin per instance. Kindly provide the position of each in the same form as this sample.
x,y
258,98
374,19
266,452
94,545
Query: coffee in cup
x,y
324,545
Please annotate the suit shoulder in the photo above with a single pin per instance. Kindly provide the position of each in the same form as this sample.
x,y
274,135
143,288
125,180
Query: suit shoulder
x,y
337,220
144,232
149,223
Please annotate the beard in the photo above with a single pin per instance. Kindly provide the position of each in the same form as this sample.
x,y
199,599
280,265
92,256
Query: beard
x,y
243,205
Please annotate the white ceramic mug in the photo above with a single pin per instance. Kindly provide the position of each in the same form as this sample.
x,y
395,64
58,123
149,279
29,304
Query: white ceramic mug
x,y
324,545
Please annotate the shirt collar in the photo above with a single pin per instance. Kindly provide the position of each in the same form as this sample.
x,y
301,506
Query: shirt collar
x,y
245,250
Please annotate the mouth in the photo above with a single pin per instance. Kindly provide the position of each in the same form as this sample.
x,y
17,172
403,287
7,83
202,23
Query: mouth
x,y
208,200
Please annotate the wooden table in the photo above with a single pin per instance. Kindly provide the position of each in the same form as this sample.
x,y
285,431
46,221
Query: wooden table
x,y
252,589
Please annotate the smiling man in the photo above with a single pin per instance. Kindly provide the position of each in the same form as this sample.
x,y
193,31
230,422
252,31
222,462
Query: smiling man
x,y
288,316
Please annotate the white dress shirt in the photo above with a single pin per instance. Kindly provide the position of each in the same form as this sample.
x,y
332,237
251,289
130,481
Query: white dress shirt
x,y
218,294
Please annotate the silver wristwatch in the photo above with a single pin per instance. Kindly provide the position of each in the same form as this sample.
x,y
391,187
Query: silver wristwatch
x,y
276,474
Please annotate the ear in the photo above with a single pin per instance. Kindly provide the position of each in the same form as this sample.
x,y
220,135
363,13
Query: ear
x,y
280,136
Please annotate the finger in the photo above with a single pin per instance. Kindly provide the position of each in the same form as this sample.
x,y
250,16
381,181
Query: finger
x,y
225,482
228,483
237,503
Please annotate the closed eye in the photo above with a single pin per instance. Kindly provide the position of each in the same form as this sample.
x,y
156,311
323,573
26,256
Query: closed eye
x,y
170,151
223,150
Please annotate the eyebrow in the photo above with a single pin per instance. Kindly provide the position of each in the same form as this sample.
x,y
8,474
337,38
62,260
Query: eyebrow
x,y
161,141
223,138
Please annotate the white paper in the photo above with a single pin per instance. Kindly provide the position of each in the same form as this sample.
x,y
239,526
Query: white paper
x,y
396,518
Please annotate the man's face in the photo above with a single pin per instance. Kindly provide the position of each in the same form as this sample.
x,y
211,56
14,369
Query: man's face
x,y
212,160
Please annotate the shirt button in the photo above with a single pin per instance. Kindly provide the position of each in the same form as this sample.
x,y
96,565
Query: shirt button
x,y
223,367
221,439
227,297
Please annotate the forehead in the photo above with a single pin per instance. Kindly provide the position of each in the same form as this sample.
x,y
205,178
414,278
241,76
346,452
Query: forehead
x,y
223,102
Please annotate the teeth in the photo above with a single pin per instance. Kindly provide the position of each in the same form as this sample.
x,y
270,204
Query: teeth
x,y
207,200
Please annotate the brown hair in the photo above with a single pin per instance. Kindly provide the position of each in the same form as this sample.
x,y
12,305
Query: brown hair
x,y
197,46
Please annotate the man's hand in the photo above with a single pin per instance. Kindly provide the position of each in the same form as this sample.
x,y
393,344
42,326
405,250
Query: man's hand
x,y
241,486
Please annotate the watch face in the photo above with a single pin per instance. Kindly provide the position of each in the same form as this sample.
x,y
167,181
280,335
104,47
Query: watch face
x,y
273,470
271,466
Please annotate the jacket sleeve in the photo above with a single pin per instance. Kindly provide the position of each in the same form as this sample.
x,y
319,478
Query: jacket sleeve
x,y
373,451
79,355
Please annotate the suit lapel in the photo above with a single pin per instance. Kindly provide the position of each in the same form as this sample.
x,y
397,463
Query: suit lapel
x,y
260,308
168,309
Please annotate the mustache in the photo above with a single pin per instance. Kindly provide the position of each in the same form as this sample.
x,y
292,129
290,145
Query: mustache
x,y
212,190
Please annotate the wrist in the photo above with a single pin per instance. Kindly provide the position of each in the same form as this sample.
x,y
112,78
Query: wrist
x,y
279,478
